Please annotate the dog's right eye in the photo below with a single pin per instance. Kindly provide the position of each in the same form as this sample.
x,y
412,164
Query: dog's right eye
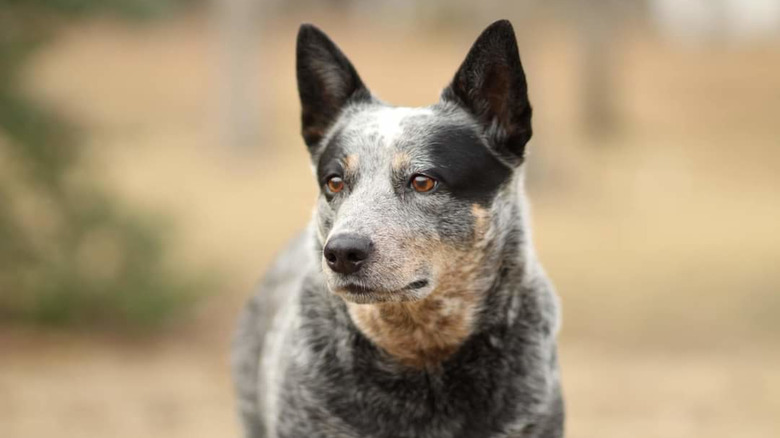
x,y
423,183
335,184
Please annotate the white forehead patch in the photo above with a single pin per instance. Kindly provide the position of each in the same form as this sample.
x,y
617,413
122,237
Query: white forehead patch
x,y
388,121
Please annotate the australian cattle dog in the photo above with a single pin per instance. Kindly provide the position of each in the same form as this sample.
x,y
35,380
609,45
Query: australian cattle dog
x,y
414,305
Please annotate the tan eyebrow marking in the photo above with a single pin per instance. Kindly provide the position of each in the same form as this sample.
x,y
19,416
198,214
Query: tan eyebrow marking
x,y
351,163
401,160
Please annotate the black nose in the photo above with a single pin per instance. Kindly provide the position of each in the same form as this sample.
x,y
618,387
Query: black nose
x,y
345,253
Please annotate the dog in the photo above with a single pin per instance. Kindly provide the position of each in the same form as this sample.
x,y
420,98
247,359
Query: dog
x,y
413,306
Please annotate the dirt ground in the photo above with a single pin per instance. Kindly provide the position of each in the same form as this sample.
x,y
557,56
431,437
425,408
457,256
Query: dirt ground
x,y
76,387
663,238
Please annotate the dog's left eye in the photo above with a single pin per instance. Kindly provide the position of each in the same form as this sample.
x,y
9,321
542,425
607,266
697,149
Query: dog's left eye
x,y
335,184
423,183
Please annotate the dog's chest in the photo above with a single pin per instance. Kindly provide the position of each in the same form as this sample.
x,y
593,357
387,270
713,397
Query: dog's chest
x,y
323,398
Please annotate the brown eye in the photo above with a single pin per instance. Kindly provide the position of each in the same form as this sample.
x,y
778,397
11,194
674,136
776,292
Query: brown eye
x,y
422,183
335,184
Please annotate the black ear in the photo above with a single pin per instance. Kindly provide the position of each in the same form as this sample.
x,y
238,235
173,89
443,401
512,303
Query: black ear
x,y
491,85
327,81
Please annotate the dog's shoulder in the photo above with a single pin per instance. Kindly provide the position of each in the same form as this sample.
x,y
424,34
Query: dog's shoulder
x,y
281,281
280,284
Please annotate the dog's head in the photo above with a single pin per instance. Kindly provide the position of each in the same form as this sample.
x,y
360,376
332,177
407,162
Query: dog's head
x,y
408,195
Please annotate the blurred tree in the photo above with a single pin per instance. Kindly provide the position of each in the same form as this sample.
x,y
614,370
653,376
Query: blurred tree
x,y
599,24
238,22
69,254
597,27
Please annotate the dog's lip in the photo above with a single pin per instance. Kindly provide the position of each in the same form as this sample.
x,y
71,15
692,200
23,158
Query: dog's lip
x,y
357,289
419,284
360,289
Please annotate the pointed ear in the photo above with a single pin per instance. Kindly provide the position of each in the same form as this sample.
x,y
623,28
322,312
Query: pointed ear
x,y
327,81
491,85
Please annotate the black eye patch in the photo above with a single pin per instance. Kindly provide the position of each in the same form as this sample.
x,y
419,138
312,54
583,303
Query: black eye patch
x,y
465,166
330,162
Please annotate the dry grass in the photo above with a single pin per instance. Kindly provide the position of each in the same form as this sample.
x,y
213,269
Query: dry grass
x,y
663,239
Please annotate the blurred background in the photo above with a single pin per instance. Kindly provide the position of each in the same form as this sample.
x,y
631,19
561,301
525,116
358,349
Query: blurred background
x,y
151,166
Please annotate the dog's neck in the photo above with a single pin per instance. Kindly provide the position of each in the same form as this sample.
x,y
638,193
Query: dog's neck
x,y
422,334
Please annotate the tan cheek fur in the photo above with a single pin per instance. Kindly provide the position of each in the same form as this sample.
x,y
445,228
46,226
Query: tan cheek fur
x,y
422,334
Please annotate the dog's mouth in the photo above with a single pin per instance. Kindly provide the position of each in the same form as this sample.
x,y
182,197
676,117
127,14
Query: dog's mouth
x,y
360,293
360,289
357,289
419,284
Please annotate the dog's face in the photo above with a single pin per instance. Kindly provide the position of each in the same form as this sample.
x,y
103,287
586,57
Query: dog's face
x,y
407,194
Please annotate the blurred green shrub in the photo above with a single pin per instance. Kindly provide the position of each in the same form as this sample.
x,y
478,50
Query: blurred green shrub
x,y
69,253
